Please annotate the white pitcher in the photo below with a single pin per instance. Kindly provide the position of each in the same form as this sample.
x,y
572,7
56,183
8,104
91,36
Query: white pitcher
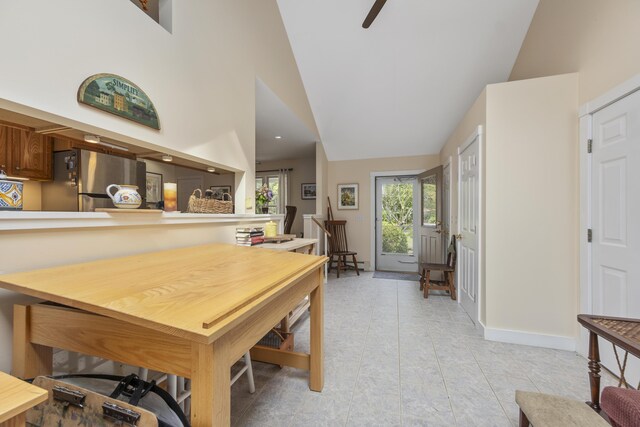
x,y
126,196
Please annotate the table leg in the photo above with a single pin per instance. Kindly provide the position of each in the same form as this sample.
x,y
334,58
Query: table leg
x,y
594,371
29,360
316,368
211,384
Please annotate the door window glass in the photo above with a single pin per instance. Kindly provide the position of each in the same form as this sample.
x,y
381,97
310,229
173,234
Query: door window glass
x,y
429,216
397,217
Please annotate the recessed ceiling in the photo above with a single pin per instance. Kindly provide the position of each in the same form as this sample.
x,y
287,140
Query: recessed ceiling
x,y
400,87
274,119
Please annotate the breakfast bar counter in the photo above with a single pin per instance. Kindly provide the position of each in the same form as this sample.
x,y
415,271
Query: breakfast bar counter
x,y
190,311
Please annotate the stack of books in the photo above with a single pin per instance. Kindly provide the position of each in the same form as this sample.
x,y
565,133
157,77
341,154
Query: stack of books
x,y
247,236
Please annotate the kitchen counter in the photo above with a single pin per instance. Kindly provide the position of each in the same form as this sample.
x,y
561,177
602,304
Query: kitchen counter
x,y
29,220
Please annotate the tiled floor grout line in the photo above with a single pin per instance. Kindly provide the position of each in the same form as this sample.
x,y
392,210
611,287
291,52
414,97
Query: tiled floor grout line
x,y
399,350
491,387
444,381
359,365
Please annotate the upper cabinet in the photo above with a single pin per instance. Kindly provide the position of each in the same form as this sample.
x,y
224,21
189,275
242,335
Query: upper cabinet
x,y
5,134
26,154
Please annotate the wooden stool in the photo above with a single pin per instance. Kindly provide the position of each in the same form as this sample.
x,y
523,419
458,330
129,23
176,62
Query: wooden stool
x,y
16,397
545,410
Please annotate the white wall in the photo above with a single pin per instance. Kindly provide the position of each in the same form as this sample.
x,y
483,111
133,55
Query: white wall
x,y
201,77
530,198
598,39
532,206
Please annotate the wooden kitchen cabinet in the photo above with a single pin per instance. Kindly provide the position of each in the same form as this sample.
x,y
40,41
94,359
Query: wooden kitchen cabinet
x,y
31,155
5,134
26,154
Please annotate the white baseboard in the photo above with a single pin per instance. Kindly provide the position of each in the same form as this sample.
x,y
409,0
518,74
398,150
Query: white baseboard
x,y
530,338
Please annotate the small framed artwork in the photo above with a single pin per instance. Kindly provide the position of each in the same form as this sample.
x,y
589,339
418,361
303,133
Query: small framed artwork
x,y
309,191
347,196
154,187
220,190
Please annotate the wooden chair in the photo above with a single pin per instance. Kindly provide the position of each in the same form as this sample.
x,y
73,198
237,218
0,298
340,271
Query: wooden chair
x,y
338,246
289,217
448,270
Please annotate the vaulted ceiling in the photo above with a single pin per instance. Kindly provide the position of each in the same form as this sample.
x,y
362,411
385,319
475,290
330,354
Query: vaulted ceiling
x,y
400,87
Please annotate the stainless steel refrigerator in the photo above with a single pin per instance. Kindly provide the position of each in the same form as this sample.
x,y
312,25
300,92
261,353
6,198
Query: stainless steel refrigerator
x,y
80,179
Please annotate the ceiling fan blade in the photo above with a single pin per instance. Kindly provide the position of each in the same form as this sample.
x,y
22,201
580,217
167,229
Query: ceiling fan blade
x,y
375,9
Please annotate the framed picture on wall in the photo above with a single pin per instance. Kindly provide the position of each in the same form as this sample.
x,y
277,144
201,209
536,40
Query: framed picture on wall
x,y
154,187
347,196
308,191
220,190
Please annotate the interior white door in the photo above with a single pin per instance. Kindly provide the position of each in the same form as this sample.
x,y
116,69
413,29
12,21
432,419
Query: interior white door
x,y
469,223
615,218
431,245
397,213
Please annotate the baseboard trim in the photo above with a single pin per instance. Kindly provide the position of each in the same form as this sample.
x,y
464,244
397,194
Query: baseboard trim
x,y
530,338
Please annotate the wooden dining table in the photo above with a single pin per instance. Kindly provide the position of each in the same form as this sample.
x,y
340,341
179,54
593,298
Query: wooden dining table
x,y
191,312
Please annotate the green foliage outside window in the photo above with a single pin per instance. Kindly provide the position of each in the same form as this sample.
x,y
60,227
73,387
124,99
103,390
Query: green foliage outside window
x,y
397,218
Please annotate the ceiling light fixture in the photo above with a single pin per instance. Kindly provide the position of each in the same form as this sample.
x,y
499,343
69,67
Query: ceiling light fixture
x,y
210,169
167,158
117,147
278,137
93,139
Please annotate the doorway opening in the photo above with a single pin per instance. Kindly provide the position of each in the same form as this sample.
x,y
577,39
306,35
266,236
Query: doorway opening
x,y
397,212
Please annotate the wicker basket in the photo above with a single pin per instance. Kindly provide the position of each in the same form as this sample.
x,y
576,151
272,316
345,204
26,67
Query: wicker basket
x,y
198,204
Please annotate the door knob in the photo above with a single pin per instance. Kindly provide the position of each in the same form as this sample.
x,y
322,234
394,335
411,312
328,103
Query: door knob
x,y
459,236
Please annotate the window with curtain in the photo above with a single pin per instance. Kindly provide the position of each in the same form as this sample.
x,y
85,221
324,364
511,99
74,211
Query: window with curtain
x,y
278,182
273,183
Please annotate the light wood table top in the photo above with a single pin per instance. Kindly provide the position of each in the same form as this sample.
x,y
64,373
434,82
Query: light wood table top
x,y
291,245
198,293
16,396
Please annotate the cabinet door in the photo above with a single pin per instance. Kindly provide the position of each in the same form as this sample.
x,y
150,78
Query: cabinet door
x,y
31,155
5,135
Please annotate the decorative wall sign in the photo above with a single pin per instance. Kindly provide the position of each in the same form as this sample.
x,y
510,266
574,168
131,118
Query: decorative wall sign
x,y
117,95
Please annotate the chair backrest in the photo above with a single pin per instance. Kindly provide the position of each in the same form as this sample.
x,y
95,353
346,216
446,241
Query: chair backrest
x,y
451,253
290,215
338,239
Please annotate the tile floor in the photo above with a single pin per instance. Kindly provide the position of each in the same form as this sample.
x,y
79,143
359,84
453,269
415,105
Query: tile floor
x,y
393,358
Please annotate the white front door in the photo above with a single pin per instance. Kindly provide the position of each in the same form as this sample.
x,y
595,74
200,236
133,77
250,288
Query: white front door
x,y
615,218
396,223
469,224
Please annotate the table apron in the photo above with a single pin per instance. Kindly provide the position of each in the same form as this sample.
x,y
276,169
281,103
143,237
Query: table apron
x,y
112,339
